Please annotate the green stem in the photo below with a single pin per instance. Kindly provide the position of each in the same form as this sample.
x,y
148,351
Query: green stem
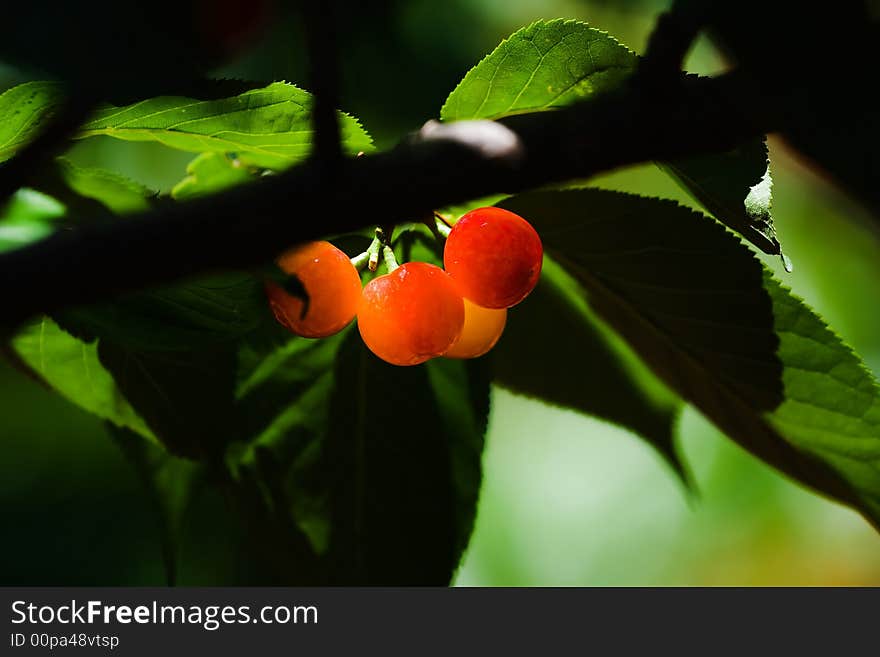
x,y
360,261
442,228
390,260
373,254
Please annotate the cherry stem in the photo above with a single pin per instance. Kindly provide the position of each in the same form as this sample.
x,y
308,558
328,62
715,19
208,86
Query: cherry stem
x,y
369,258
390,259
442,229
442,218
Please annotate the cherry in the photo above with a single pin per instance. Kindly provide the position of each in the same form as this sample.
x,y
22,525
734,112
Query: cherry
x,y
482,328
333,286
410,315
494,256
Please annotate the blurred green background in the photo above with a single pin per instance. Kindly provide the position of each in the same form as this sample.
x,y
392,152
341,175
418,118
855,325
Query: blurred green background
x,y
567,500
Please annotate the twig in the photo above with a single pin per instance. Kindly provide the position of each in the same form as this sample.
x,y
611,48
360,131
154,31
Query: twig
x,y
324,81
670,41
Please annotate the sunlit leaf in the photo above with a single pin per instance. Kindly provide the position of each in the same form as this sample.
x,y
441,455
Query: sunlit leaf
x,y
268,127
24,110
555,63
72,368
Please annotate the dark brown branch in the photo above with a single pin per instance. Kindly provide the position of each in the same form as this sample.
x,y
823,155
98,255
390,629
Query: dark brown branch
x,y
673,35
324,81
247,226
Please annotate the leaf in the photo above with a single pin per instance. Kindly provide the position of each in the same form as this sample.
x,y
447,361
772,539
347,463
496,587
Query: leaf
x,y
547,64
170,483
735,187
71,367
555,349
556,63
402,459
711,322
283,399
27,217
117,193
186,398
268,127
211,172
24,110
207,311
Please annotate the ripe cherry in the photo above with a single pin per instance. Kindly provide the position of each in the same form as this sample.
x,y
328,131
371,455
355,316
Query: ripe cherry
x,y
482,329
333,286
494,256
410,315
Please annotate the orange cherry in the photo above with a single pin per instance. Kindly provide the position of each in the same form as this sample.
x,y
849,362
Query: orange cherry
x,y
482,329
333,286
410,315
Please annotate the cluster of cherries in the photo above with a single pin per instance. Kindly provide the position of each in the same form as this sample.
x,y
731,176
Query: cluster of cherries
x,y
418,311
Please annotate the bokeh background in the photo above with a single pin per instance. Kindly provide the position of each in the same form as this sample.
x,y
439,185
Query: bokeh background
x,y
567,500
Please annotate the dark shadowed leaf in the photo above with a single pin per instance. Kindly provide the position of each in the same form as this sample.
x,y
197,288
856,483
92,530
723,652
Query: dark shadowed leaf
x,y
170,483
284,390
208,311
402,457
185,398
555,349
735,187
710,321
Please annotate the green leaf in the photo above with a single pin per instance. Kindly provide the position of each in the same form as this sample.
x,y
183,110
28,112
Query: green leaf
x,y
268,127
27,217
186,398
711,322
554,348
366,458
555,63
24,111
403,462
547,64
211,172
117,193
170,483
283,396
72,368
207,311
735,187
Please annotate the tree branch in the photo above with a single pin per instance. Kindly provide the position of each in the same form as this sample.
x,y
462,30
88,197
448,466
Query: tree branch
x,y
443,164
324,81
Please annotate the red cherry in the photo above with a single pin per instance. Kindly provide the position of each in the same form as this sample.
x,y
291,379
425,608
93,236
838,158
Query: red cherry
x,y
482,329
331,282
494,256
411,315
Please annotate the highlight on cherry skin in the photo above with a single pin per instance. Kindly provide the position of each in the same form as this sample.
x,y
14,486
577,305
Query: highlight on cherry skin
x,y
481,331
494,256
333,286
411,314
